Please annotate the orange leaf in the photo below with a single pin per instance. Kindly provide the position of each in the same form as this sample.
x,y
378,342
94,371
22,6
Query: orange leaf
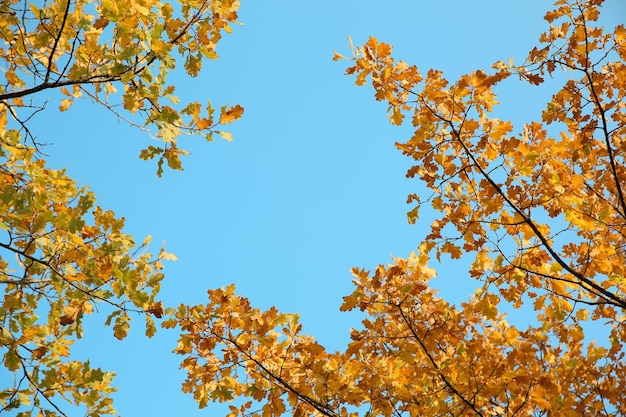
x,y
203,123
231,114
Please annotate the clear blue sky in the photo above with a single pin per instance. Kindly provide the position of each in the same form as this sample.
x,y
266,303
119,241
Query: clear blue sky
x,y
310,187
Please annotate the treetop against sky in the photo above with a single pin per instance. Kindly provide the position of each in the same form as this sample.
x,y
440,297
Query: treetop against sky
x,y
489,164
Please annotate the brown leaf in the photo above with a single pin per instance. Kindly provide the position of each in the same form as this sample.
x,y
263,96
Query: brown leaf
x,y
39,352
71,313
156,309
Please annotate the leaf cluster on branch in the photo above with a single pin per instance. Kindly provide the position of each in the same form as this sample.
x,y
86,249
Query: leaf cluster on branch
x,y
539,208
95,48
63,256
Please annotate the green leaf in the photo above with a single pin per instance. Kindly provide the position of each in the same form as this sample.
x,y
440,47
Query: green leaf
x,y
150,328
11,361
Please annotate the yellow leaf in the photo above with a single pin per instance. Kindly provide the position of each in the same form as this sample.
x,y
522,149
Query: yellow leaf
x,y
110,88
355,347
13,79
511,335
539,398
65,104
87,308
338,56
226,135
397,117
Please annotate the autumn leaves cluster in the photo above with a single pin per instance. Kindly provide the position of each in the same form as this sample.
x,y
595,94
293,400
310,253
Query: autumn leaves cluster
x,y
63,256
538,211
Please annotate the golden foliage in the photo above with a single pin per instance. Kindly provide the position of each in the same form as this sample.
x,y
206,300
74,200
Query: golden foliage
x,y
96,48
541,210
62,255
69,255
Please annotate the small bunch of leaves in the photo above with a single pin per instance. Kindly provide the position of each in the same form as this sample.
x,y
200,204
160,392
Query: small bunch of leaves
x,y
427,357
95,48
232,350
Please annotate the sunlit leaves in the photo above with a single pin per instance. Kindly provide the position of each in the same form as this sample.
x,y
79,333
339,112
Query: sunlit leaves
x,y
63,258
116,45
483,173
557,200
537,209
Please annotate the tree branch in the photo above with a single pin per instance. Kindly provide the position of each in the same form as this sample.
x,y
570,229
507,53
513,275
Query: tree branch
x,y
432,360
37,388
57,38
88,293
99,78
325,410
585,282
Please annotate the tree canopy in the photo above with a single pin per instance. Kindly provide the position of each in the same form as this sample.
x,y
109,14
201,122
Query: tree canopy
x,y
538,209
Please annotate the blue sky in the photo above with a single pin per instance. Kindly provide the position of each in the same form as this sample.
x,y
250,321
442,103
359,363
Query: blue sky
x,y
310,187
